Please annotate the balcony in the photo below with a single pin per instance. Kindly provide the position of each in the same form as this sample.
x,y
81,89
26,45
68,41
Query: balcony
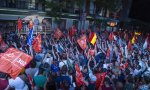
x,y
42,29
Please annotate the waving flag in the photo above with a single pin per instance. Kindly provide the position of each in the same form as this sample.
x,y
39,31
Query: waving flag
x,y
100,79
79,76
133,40
93,38
82,42
137,33
124,66
145,46
13,61
72,31
111,36
30,37
129,45
36,44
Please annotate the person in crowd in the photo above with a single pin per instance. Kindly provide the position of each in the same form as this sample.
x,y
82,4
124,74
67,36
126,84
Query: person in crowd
x,y
19,24
3,81
36,23
30,24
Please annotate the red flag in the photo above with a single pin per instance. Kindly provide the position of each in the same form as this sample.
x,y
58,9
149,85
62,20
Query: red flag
x,y
79,77
37,44
93,38
82,42
58,33
100,79
13,61
19,24
72,31
129,45
124,66
111,36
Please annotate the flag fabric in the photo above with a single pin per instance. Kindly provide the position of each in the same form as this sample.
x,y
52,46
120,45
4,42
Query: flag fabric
x,y
72,31
82,42
58,33
129,47
30,37
13,61
37,44
79,76
100,79
137,33
145,45
111,36
93,38
124,66
19,24
133,40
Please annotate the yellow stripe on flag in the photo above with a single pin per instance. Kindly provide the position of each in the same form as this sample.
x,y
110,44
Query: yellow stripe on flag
x,y
133,40
137,33
93,41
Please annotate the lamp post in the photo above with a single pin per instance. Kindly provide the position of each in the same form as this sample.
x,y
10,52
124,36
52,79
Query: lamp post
x,y
112,24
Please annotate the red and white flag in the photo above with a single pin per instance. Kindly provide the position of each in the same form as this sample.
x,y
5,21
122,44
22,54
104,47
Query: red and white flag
x,y
13,61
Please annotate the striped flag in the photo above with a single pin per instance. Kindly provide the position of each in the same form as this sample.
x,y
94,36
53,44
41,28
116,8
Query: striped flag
x,y
137,33
30,37
133,40
93,38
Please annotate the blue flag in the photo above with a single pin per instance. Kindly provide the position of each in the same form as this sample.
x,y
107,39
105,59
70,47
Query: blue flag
x,y
30,37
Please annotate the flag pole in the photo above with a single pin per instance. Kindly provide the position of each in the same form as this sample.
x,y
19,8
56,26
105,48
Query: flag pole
x,y
31,51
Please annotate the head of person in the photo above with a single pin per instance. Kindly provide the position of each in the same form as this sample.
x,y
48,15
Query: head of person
x,y
36,16
41,71
18,18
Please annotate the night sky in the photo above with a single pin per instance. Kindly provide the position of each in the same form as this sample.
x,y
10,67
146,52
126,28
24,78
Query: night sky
x,y
140,10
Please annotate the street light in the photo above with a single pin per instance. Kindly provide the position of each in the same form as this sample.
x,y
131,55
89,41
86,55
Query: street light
x,y
112,24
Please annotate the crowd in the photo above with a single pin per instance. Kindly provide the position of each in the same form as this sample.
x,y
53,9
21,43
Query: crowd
x,y
115,64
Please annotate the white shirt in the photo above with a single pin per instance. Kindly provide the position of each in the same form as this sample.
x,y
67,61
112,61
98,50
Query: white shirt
x,y
17,83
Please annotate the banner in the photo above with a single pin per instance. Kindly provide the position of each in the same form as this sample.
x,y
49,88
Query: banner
x,y
13,61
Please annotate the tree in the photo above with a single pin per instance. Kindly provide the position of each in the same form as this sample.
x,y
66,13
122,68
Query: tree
x,y
112,5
